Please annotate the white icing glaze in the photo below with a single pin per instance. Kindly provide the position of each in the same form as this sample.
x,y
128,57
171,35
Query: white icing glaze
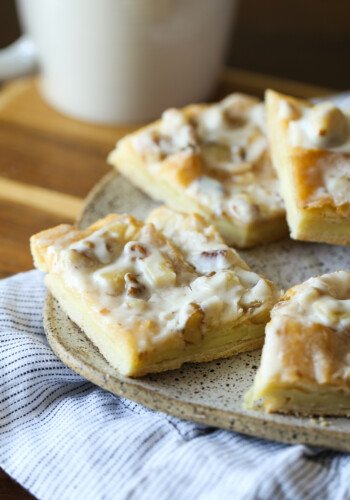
x,y
242,130
148,279
230,136
323,126
285,111
172,121
209,191
324,301
335,177
147,144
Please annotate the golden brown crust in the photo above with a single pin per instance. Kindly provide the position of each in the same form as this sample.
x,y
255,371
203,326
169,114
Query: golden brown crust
x,y
312,181
300,344
305,163
305,364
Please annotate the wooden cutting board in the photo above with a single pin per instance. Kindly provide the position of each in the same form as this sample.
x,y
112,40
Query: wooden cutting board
x,y
49,162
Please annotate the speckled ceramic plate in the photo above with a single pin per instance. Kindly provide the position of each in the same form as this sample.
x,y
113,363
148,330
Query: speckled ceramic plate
x,y
209,393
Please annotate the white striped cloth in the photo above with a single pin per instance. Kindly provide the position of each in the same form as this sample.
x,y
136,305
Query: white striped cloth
x,y
63,438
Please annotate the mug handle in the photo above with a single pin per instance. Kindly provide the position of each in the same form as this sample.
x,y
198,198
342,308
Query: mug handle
x,y
18,59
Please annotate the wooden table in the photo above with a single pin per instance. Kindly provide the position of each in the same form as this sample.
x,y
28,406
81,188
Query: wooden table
x,y
48,164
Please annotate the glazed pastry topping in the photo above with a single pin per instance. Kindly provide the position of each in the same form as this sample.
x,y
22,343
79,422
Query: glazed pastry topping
x,y
325,128
336,182
175,135
235,178
174,281
322,126
305,363
324,300
321,302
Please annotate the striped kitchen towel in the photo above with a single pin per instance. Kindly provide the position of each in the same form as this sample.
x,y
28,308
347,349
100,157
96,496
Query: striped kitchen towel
x,y
63,438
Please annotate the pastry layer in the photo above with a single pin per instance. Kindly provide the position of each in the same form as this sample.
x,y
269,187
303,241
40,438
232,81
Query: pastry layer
x,y
311,153
211,159
119,350
305,365
154,295
304,401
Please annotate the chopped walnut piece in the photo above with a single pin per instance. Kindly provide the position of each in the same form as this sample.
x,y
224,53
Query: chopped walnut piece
x,y
192,332
239,153
83,259
136,250
220,259
214,260
133,287
234,118
214,254
112,244
249,306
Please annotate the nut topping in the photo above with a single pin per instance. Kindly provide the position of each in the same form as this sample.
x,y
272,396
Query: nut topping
x,y
239,153
136,250
214,254
112,244
234,118
133,287
214,260
82,259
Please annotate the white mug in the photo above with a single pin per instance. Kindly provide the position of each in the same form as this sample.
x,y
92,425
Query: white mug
x,y
115,61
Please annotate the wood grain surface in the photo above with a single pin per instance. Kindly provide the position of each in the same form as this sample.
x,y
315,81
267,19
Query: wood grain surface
x,y
49,162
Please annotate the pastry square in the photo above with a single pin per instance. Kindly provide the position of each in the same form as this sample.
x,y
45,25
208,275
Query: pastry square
x,y
153,295
213,160
310,148
305,364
